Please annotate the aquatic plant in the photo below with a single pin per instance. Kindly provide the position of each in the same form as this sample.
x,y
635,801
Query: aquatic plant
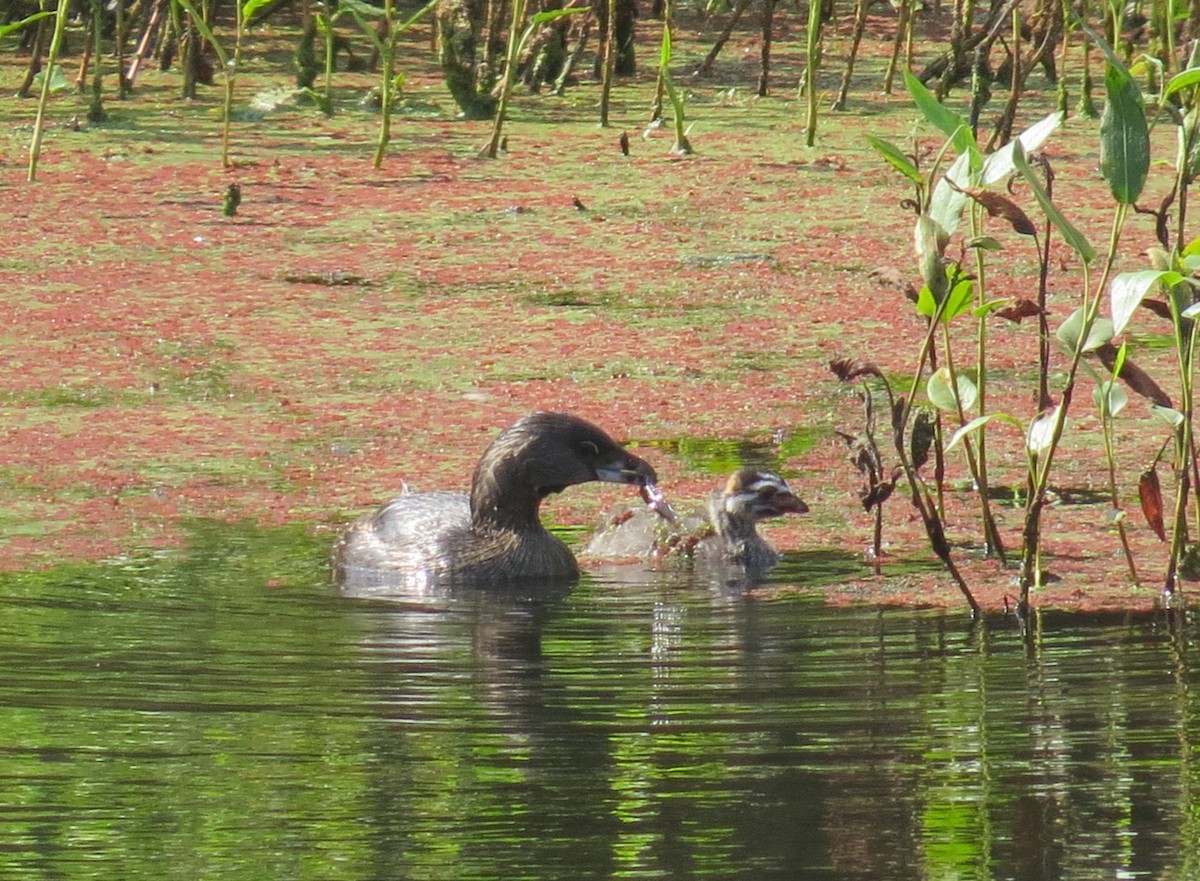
x,y
48,78
518,38
1085,334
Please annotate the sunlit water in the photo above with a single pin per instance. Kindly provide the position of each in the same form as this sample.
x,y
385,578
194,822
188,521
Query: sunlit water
x,y
224,714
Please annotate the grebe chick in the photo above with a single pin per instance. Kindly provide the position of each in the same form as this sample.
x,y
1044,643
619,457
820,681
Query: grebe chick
x,y
722,535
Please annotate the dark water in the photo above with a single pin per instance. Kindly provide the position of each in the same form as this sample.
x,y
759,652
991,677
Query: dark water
x,y
221,714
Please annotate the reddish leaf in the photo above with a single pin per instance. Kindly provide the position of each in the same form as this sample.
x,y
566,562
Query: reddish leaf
x,y
1152,502
997,205
876,495
1136,378
847,369
1158,307
1020,308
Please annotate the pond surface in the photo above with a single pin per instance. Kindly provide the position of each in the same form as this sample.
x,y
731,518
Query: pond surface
x,y
223,714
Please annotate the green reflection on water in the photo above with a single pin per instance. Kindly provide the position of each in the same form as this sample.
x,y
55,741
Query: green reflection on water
x,y
221,713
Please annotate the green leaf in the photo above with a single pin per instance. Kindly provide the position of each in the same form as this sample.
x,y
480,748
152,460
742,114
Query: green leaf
x,y
367,28
250,7
1124,136
1181,80
941,117
989,307
894,157
1070,331
551,14
359,8
1073,237
1168,415
958,301
206,32
7,29
664,54
977,423
956,398
1129,289
1110,398
58,78
983,243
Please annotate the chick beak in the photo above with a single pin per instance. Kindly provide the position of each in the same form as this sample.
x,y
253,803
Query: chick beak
x,y
786,503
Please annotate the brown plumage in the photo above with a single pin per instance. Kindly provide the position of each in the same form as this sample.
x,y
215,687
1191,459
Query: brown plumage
x,y
723,537
493,535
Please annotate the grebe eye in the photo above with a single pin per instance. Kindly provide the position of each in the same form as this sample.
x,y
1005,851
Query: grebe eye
x,y
589,449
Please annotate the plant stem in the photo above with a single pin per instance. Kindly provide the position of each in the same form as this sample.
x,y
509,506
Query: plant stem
x,y
1039,475
387,57
811,54
39,124
979,467
512,55
610,61
930,516
330,54
1185,337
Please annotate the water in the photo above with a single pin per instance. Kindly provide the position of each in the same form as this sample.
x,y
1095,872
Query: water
x,y
222,714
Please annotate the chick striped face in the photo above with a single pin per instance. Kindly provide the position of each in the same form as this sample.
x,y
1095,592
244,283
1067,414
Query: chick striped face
x,y
758,494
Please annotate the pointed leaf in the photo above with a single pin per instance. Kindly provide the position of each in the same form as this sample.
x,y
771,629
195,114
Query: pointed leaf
x,y
1138,380
551,14
250,7
999,165
950,123
948,199
929,240
1070,234
1041,432
997,205
894,157
923,431
7,29
1181,80
983,243
1072,329
1129,289
1169,415
957,397
977,423
1150,494
1109,397
1124,136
